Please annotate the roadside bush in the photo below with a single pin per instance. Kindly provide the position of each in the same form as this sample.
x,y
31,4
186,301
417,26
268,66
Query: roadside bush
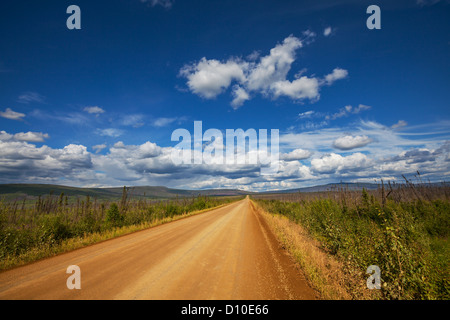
x,y
113,216
406,237
53,230
49,221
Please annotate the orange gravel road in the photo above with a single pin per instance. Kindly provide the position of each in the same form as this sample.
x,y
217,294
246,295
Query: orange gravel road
x,y
226,253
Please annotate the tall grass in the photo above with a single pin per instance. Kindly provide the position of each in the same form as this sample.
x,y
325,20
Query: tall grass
x,y
403,229
39,228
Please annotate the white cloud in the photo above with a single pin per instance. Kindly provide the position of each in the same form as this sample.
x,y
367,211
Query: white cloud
x,y
12,115
94,110
75,154
24,162
99,147
297,154
298,89
110,132
399,124
327,31
209,78
273,67
149,150
119,145
150,164
253,56
268,76
4,136
343,112
309,36
337,74
31,136
17,152
360,108
335,163
240,96
29,97
351,142
309,33
306,114
167,4
134,120
163,121
306,158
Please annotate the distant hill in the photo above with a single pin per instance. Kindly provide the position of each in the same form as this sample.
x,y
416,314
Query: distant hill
x,y
18,191
331,187
34,190
164,192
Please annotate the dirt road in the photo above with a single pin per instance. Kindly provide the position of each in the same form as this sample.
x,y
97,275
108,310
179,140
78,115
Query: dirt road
x,y
226,253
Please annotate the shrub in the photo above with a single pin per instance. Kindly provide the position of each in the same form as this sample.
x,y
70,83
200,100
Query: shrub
x,y
113,216
53,230
406,237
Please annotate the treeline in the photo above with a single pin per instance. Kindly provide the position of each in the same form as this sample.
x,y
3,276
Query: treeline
x,y
403,230
52,219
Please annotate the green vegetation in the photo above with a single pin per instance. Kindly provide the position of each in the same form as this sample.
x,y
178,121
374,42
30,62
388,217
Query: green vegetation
x,y
403,230
52,224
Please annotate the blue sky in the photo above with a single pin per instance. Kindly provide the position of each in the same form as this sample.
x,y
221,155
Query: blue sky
x,y
97,106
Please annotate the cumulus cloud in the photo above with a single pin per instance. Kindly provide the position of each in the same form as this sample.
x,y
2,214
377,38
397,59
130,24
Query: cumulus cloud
x,y
273,67
24,136
327,31
337,74
148,150
297,154
209,78
22,161
302,88
31,136
351,142
336,163
20,151
254,55
240,96
94,110
12,115
415,156
308,158
266,75
420,155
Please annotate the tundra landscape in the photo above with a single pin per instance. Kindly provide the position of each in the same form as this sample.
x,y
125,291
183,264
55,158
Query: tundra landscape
x,y
225,158
302,245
